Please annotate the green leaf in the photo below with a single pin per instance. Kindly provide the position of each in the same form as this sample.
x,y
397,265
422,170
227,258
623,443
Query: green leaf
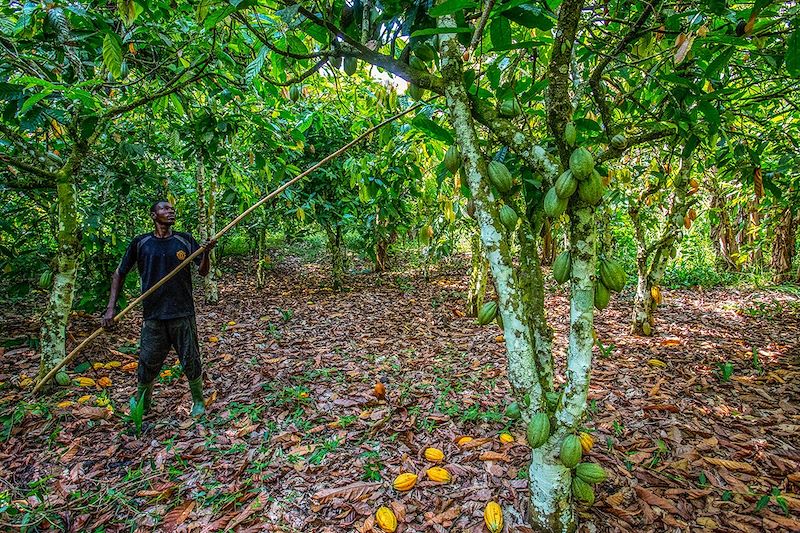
x,y
451,6
220,14
112,53
530,17
793,50
500,31
127,11
718,7
32,101
254,68
762,502
432,129
437,31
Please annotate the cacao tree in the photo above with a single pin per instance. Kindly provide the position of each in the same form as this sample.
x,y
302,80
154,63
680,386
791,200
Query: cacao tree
x,y
544,85
66,72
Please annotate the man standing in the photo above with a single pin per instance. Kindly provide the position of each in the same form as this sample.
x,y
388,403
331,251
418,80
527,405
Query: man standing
x,y
169,316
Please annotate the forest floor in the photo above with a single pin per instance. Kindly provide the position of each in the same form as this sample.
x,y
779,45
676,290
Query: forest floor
x,y
295,440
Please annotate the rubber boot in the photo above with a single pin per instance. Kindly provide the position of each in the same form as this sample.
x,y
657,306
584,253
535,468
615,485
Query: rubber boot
x,y
198,403
145,389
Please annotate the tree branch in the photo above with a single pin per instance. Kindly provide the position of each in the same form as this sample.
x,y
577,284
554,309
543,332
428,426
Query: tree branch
x,y
26,167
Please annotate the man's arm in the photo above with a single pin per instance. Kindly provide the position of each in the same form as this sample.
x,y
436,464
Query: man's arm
x,y
205,258
116,283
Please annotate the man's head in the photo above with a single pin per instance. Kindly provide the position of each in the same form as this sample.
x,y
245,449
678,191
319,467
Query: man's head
x,y
162,212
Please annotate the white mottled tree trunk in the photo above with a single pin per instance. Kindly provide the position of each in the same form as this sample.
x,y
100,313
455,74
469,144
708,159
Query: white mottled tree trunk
x,y
479,276
54,321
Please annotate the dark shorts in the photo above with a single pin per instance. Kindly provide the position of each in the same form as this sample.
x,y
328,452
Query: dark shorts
x,y
158,336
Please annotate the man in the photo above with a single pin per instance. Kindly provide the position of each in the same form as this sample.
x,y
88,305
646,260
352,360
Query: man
x,y
169,317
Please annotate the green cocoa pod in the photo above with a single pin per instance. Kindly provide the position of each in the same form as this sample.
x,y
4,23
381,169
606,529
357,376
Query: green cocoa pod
x,y
46,279
452,159
581,163
487,313
538,430
601,296
570,134
619,141
566,184
554,206
500,176
571,451
591,473
499,319
62,378
510,108
350,65
295,92
582,491
508,217
562,267
512,411
612,275
591,189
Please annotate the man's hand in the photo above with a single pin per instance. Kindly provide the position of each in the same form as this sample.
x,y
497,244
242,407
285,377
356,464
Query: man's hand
x,y
209,244
108,319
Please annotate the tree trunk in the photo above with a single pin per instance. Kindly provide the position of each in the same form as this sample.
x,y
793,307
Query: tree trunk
x,y
479,276
261,259
643,307
206,214
722,235
783,247
54,320
337,257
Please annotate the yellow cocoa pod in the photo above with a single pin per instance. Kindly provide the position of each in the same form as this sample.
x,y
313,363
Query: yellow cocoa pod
x,y
493,516
656,363
112,364
130,367
505,438
97,365
405,481
85,398
386,519
434,454
438,474
64,404
104,382
655,293
25,382
85,382
463,440
586,442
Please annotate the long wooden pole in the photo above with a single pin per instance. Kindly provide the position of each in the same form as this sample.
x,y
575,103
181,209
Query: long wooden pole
x,y
216,237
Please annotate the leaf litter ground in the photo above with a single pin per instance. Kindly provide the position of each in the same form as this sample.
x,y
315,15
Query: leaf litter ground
x,y
296,440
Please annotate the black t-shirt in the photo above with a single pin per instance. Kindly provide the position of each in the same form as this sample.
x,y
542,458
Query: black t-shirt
x,y
155,258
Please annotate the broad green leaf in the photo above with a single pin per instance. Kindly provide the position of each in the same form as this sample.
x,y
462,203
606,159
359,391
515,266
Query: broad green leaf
x,y
32,101
530,17
432,129
254,68
112,53
500,32
451,6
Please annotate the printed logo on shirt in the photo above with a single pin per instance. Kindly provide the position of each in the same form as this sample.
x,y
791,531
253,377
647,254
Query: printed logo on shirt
x,y
181,255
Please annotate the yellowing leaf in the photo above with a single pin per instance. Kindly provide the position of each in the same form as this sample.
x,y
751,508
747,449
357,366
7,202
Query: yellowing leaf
x,y
26,382
682,46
